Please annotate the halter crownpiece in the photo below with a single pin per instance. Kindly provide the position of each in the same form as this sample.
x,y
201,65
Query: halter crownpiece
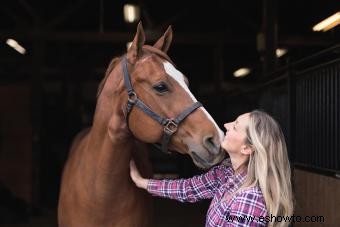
x,y
170,126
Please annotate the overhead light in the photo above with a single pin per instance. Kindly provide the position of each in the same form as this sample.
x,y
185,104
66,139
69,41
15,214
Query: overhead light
x,y
128,44
280,52
241,72
16,46
328,23
131,13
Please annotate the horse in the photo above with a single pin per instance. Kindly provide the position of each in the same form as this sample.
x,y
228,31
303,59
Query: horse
x,y
143,99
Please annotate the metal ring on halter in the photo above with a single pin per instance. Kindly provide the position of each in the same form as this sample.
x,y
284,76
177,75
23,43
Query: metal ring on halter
x,y
170,127
132,97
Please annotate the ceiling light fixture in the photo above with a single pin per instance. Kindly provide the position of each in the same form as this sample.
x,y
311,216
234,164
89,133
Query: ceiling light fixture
x,y
280,52
131,13
328,23
241,72
16,46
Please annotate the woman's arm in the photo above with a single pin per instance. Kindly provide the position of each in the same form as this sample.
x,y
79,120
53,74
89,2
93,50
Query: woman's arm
x,y
185,190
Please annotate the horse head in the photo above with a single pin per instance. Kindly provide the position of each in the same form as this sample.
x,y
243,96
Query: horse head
x,y
154,84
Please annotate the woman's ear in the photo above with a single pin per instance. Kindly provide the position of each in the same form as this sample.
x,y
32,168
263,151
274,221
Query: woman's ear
x,y
247,149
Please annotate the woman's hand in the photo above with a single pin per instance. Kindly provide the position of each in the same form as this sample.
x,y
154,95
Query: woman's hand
x,y
136,177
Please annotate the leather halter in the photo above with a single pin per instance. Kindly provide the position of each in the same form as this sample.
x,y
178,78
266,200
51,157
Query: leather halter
x,y
170,126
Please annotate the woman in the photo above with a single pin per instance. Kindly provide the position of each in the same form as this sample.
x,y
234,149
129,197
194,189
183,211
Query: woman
x,y
252,188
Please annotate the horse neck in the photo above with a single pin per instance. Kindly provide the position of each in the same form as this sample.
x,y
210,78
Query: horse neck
x,y
110,152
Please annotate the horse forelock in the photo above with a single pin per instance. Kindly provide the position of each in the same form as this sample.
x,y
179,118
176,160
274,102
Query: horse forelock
x,y
158,52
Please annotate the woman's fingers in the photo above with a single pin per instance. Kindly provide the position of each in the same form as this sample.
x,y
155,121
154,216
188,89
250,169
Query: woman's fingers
x,y
132,165
133,171
136,177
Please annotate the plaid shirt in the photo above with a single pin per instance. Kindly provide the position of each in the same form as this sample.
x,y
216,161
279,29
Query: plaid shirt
x,y
245,208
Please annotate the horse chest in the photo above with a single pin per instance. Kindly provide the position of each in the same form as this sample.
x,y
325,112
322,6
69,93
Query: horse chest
x,y
131,210
92,196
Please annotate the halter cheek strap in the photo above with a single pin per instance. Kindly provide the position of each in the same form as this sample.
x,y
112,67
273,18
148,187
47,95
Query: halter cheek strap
x,y
170,126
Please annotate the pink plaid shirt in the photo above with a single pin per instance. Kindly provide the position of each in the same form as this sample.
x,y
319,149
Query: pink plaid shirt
x,y
245,208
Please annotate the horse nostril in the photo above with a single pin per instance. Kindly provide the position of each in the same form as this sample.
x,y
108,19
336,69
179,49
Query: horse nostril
x,y
210,140
210,144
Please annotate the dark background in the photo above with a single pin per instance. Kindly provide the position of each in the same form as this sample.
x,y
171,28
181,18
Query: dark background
x,y
49,94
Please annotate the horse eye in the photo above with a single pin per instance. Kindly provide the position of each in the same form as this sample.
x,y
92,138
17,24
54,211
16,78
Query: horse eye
x,y
161,88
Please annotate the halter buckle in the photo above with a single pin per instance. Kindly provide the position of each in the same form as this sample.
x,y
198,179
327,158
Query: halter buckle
x,y
170,127
132,97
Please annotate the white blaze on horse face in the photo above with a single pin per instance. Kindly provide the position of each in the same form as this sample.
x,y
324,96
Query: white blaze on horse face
x,y
178,76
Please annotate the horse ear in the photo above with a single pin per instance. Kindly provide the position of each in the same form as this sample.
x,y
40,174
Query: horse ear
x,y
135,49
164,42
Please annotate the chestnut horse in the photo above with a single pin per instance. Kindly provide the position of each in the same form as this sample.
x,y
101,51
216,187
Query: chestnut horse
x,y
143,99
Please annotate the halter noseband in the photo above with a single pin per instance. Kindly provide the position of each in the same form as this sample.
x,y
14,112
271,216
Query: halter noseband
x,y
170,126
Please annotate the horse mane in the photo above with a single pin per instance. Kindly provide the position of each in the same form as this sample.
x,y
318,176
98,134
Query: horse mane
x,y
109,69
116,60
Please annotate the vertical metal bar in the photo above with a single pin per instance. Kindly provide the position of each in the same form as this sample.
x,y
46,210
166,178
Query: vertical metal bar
x,y
291,83
294,115
320,119
310,115
307,135
306,107
315,121
332,119
329,119
324,120
297,120
337,113
320,132
324,151
317,114
302,119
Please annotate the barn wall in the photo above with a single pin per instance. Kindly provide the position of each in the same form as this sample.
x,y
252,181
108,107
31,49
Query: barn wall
x,y
16,140
317,195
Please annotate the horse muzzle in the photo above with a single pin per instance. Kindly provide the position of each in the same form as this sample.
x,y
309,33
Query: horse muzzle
x,y
207,159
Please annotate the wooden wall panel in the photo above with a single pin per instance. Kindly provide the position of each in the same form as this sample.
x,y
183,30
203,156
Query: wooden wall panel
x,y
317,195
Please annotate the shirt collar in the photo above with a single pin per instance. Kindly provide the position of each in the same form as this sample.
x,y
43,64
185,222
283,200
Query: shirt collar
x,y
239,176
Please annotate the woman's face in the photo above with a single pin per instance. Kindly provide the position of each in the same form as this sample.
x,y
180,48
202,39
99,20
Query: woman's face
x,y
235,136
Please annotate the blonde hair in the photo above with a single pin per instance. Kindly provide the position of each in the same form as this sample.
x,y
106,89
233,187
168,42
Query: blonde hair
x,y
268,165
